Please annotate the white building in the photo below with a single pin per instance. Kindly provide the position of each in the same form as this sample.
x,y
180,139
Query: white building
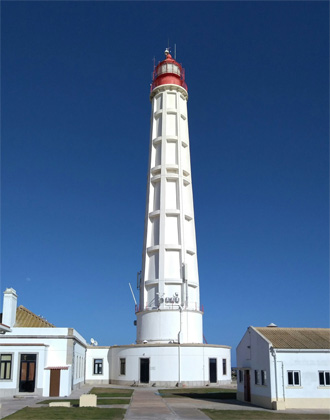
x,y
35,356
281,368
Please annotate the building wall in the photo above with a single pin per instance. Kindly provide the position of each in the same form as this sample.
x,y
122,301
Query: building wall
x,y
170,365
309,394
94,353
253,353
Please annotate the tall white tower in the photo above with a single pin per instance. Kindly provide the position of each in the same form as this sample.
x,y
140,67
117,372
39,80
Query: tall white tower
x,y
169,310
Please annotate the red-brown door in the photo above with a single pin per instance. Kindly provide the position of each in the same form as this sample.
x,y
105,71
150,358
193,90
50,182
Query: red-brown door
x,y
54,386
247,389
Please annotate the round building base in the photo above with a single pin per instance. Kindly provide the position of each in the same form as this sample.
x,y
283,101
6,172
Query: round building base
x,y
170,365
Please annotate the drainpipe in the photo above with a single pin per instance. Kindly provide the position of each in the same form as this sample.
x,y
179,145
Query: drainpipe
x,y
273,352
85,365
283,388
73,365
179,347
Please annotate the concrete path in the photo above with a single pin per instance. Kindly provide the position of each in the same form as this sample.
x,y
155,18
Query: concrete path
x,y
11,405
147,404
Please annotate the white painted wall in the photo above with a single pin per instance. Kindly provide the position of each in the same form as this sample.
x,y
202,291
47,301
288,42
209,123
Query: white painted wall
x,y
158,326
255,353
98,353
308,363
170,364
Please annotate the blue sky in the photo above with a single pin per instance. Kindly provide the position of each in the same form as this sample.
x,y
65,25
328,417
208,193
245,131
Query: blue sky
x,y
75,133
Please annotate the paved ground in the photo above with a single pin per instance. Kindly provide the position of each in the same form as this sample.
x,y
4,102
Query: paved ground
x,y
147,404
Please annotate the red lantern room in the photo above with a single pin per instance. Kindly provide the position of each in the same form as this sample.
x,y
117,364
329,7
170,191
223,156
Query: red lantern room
x,y
168,72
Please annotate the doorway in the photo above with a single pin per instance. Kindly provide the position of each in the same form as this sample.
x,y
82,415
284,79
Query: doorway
x,y
247,389
144,371
54,385
213,370
27,376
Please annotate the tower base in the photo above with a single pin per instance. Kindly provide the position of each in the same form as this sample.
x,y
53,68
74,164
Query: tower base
x,y
166,365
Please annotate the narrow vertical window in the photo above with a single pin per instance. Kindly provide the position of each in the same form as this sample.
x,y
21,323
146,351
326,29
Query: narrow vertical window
x,y
123,366
263,377
240,376
256,377
224,366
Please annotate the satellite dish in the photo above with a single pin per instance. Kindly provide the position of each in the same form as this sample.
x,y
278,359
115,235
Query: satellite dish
x,y
92,341
95,343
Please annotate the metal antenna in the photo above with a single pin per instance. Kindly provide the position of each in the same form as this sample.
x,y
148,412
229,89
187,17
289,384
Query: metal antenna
x,y
174,51
153,69
132,293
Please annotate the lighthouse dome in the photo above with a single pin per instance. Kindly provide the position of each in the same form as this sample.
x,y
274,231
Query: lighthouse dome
x,y
168,72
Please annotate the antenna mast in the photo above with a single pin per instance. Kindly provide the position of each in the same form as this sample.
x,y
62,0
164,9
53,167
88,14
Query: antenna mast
x,y
132,293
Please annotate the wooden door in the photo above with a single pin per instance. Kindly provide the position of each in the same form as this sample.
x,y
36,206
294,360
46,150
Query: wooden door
x,y
247,389
54,386
27,375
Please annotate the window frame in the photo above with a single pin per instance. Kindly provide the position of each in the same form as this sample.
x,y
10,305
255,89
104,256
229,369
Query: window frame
x,y
5,363
326,377
294,374
97,366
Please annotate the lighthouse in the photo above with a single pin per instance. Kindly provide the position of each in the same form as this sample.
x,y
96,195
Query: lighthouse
x,y
169,309
169,348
